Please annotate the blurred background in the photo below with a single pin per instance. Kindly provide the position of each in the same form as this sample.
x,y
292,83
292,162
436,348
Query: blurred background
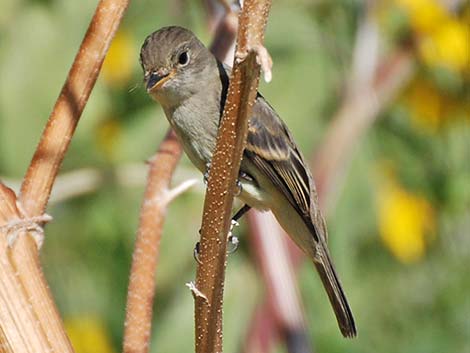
x,y
399,220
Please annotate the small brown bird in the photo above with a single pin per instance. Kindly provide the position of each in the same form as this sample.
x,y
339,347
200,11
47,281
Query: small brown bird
x,y
191,86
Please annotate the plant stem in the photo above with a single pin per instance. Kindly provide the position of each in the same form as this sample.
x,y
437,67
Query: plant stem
x,y
225,164
36,325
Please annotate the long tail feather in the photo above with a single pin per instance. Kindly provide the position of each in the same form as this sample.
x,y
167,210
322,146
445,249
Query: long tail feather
x,y
335,292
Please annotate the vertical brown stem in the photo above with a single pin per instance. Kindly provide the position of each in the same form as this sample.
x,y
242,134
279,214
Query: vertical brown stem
x,y
141,290
222,179
64,118
152,216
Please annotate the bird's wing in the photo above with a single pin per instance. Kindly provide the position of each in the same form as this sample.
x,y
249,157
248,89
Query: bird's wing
x,y
270,147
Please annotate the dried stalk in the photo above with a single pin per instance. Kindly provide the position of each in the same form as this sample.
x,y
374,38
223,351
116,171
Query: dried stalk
x,y
29,321
152,216
19,331
64,118
208,292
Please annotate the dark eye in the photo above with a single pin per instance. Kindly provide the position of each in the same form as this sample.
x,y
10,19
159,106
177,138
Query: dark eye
x,y
183,58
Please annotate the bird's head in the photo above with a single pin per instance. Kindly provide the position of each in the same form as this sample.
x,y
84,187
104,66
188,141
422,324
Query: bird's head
x,y
175,64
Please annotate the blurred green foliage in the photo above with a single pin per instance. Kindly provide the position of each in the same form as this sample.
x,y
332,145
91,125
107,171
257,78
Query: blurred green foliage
x,y
416,306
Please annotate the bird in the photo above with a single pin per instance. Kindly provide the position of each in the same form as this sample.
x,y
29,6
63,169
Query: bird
x,y
190,84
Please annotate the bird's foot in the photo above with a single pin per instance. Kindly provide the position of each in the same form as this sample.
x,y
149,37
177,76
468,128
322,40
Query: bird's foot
x,y
206,174
196,251
242,176
239,188
232,242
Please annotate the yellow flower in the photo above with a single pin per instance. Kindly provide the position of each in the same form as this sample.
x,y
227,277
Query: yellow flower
x,y
448,46
118,65
424,15
424,101
88,335
430,108
444,39
405,221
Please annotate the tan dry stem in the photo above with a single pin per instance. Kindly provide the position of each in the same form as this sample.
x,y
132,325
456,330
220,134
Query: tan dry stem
x,y
152,216
19,329
225,165
64,118
35,324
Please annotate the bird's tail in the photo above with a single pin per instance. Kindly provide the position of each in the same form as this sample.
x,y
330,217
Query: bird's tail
x,y
335,292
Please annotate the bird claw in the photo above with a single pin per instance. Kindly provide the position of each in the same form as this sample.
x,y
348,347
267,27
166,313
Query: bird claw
x,y
206,174
239,188
233,239
196,251
233,242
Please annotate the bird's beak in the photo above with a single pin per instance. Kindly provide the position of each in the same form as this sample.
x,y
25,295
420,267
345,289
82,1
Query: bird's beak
x,y
158,78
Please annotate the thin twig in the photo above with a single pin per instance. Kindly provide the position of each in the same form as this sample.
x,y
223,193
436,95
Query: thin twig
x,y
290,323
215,11
64,118
221,188
38,327
152,215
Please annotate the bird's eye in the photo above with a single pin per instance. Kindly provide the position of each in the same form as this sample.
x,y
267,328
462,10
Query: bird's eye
x,y
183,58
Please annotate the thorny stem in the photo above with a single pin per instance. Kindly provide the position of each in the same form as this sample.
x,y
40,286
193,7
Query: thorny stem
x,y
225,165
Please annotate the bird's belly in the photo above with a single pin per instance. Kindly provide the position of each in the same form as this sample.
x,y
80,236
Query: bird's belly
x,y
285,214
197,158
263,195
295,227
198,150
253,196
